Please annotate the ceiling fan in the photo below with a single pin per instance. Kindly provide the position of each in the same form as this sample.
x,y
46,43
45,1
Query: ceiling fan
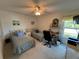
x,y
37,7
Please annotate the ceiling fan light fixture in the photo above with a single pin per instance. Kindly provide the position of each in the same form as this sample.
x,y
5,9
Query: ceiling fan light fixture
x,y
37,13
37,10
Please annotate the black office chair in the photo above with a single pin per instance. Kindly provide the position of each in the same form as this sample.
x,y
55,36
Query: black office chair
x,y
48,38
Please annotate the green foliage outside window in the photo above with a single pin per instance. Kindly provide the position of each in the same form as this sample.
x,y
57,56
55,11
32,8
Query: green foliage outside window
x,y
69,24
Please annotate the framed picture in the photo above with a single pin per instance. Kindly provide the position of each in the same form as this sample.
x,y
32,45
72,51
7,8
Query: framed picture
x,y
16,22
55,22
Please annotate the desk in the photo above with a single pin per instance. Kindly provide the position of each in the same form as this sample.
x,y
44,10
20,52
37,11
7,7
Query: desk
x,y
55,35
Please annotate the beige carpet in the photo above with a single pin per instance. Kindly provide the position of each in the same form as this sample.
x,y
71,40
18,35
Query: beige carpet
x,y
43,52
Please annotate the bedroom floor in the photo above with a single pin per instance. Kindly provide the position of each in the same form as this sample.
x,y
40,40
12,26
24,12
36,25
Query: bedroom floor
x,y
43,52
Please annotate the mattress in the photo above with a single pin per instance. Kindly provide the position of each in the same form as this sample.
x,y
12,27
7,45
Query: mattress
x,y
22,44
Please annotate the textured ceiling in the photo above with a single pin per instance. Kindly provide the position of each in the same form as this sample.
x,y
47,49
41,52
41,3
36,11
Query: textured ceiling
x,y
63,7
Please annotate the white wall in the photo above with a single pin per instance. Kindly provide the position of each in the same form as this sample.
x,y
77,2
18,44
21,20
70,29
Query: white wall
x,y
45,21
7,18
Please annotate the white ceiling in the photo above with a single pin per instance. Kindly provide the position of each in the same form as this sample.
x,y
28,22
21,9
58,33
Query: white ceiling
x,y
63,7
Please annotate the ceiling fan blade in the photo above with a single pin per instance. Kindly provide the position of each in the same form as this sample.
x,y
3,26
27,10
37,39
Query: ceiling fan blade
x,y
52,2
36,1
21,10
51,9
50,12
20,6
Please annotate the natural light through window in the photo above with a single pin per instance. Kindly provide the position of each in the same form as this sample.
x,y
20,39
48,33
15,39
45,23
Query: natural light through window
x,y
71,29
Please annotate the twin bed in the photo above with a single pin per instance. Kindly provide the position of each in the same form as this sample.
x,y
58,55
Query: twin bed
x,y
21,42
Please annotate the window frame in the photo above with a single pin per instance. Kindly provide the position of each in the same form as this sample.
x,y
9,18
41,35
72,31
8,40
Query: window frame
x,y
73,28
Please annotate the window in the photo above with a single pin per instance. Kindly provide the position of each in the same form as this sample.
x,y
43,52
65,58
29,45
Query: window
x,y
71,29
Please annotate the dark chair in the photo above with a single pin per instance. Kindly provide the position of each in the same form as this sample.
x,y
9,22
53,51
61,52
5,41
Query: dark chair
x,y
48,38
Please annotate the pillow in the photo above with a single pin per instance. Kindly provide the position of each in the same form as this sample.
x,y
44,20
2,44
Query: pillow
x,y
20,33
37,31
